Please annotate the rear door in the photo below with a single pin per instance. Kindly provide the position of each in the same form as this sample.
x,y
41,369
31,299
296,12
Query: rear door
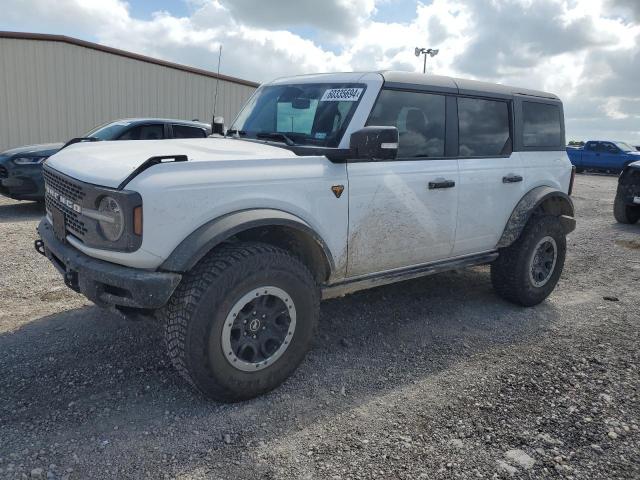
x,y
403,212
491,175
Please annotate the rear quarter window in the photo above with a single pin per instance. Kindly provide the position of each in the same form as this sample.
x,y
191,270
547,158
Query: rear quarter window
x,y
541,125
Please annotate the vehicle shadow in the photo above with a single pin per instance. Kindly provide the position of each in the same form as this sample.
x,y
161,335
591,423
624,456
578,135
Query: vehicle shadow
x,y
21,212
88,371
626,228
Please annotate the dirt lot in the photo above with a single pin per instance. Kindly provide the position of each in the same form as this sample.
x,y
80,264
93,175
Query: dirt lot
x,y
432,378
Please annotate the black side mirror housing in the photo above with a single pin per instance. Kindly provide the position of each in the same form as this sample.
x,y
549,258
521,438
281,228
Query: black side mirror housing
x,y
375,143
217,127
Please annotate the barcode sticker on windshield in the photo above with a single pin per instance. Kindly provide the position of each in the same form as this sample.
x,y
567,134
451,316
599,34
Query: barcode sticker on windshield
x,y
341,95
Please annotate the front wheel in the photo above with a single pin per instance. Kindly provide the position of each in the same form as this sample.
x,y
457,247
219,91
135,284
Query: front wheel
x,y
242,321
624,213
527,271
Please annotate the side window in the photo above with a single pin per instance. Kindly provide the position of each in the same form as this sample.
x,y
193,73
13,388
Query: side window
x,y
483,128
609,147
184,131
419,118
591,146
541,125
154,131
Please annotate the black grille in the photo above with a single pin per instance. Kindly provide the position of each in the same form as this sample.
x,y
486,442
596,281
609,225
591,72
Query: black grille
x,y
63,186
3,172
72,219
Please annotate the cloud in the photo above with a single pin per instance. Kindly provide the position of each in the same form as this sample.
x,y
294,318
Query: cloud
x,y
587,51
339,16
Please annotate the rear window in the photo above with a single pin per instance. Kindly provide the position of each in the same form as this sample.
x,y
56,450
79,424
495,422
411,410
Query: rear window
x,y
483,128
541,125
184,131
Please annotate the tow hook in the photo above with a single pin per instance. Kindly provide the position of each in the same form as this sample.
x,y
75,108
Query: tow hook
x,y
39,244
71,280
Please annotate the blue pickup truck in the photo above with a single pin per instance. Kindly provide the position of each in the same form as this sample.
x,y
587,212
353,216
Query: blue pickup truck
x,y
603,155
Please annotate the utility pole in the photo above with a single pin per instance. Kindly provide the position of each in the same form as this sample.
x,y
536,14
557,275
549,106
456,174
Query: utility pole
x,y
432,52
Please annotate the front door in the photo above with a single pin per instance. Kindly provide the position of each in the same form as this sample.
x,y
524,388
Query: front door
x,y
403,212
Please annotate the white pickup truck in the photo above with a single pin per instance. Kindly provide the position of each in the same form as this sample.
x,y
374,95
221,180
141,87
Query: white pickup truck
x,y
323,185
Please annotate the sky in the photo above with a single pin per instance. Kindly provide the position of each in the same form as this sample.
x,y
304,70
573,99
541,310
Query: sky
x,y
585,51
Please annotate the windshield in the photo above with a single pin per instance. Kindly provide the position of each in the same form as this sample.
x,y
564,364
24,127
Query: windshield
x,y
625,147
307,114
107,131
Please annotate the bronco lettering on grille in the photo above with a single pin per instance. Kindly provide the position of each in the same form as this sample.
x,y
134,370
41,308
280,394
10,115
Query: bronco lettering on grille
x,y
57,196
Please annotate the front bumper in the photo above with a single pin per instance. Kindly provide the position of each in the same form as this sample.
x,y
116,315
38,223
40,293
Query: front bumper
x,y
106,284
25,183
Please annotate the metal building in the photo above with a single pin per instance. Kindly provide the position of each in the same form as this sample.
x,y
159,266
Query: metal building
x,y
53,88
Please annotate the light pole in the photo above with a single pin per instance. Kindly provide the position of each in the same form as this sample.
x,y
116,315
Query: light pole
x,y
432,52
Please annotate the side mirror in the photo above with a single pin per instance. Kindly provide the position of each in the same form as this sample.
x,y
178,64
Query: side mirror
x,y
217,127
375,143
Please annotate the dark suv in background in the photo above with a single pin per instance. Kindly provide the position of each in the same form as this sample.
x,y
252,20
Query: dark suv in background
x,y
21,168
626,206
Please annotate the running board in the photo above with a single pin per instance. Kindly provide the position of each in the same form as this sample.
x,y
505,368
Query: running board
x,y
391,276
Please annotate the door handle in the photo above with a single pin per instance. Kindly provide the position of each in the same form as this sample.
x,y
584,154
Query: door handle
x,y
441,184
512,179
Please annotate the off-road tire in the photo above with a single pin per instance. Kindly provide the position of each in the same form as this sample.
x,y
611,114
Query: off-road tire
x,y
624,213
510,272
195,317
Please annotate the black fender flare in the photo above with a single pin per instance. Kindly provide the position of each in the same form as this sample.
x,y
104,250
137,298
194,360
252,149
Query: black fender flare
x,y
206,237
551,200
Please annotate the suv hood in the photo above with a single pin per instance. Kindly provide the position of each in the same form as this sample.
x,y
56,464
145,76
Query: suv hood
x,y
109,163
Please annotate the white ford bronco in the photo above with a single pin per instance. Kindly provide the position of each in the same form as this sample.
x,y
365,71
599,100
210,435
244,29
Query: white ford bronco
x,y
323,185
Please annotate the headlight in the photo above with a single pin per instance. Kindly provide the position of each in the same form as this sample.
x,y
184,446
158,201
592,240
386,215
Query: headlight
x,y
112,221
29,160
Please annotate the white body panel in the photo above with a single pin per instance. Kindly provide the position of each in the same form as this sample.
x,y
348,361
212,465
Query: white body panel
x,y
180,197
551,169
485,202
394,219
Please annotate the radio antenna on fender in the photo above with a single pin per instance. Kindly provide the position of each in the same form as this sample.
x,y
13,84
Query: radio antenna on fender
x,y
217,123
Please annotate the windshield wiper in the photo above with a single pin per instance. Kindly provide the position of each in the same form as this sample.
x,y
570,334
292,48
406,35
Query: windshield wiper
x,y
276,136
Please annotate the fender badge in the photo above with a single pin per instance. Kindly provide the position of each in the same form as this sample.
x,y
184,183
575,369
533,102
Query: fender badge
x,y
337,190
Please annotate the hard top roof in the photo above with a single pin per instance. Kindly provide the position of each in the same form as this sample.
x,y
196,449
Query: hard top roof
x,y
420,81
462,86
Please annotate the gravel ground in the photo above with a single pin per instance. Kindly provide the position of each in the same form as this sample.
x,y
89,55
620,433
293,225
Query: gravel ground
x,y
431,378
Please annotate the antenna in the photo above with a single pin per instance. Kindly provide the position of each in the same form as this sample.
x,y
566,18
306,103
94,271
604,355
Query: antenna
x,y
215,98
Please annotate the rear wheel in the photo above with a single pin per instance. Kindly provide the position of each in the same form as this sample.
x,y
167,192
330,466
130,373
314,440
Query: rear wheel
x,y
242,321
624,213
527,271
